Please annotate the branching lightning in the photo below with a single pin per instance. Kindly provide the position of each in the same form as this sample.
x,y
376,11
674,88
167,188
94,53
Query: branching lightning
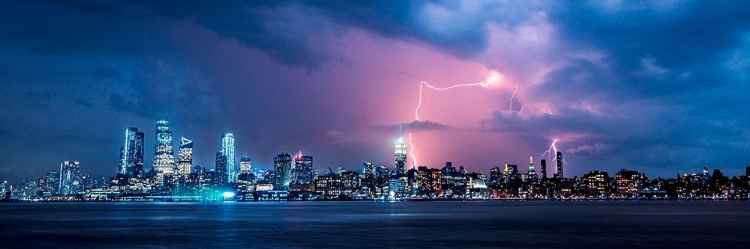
x,y
549,152
495,76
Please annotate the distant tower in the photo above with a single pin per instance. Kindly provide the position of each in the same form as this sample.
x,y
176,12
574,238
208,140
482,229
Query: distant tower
x,y
131,153
164,155
303,169
246,165
185,157
282,166
70,178
400,157
544,168
368,170
559,165
220,171
227,147
532,171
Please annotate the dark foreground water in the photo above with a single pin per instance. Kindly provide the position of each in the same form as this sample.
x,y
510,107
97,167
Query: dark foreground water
x,y
607,224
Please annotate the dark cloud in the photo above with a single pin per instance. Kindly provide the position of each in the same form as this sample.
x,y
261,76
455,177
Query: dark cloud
x,y
6,133
414,126
83,102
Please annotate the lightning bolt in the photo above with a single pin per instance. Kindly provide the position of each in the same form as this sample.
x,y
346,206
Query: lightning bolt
x,y
549,152
510,109
495,76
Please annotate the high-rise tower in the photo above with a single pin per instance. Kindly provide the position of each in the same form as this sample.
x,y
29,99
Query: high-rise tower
x,y
282,166
185,157
70,178
246,165
303,169
227,147
131,153
532,171
400,157
164,155
544,168
559,165
221,175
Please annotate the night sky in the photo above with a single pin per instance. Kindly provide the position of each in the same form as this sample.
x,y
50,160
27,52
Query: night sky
x,y
660,87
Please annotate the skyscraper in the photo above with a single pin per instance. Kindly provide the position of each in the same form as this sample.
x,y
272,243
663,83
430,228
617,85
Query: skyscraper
x,y
400,157
227,147
221,175
185,157
368,170
303,169
282,166
544,168
164,154
532,171
559,165
131,153
70,177
246,166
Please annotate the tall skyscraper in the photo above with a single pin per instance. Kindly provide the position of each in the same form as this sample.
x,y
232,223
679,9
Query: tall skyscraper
x,y
221,175
246,166
227,147
532,171
559,165
303,169
185,157
400,157
368,170
544,168
131,153
164,154
282,166
70,178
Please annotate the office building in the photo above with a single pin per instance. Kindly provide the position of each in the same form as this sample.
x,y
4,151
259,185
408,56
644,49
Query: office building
x,y
164,162
131,153
303,169
400,156
70,178
282,166
185,157
227,147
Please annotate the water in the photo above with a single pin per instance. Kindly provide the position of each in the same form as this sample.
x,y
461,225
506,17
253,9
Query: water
x,y
605,224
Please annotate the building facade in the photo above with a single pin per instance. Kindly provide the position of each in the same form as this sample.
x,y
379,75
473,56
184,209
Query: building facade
x,y
164,163
227,147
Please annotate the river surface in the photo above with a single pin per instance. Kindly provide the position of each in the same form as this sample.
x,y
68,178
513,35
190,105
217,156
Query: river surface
x,y
500,224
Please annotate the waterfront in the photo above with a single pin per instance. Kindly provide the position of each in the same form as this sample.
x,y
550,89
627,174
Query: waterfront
x,y
511,224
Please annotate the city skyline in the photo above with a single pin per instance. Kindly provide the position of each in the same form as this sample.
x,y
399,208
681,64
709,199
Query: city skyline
x,y
655,87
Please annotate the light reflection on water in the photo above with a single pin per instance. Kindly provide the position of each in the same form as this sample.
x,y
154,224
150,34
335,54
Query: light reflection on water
x,y
376,225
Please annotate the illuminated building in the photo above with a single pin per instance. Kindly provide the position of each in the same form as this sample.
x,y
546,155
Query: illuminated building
x,y
282,166
185,157
227,147
429,181
131,154
303,169
164,155
400,157
50,183
246,166
544,168
70,178
531,175
595,184
559,165
629,182
221,175
368,169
